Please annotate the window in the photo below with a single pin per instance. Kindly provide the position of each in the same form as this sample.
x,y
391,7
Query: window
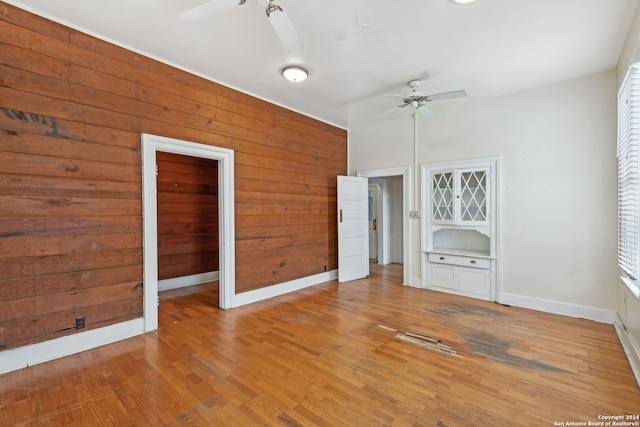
x,y
629,179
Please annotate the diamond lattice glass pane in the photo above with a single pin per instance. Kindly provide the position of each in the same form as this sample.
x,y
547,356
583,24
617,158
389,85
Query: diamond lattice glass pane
x,y
473,196
442,196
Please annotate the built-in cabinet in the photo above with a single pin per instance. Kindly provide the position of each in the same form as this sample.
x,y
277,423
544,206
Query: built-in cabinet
x,y
459,224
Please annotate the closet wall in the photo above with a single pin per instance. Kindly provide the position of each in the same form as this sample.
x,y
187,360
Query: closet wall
x,y
187,215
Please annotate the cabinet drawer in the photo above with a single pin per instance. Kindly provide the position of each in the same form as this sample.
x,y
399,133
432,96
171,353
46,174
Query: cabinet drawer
x,y
460,260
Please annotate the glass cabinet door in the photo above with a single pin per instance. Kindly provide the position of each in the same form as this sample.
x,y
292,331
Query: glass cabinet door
x,y
442,196
472,189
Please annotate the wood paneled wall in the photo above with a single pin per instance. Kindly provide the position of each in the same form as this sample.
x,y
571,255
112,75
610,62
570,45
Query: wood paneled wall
x,y
72,109
187,215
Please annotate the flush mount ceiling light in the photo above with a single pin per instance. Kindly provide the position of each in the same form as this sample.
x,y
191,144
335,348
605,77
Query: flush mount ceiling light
x,y
463,1
294,73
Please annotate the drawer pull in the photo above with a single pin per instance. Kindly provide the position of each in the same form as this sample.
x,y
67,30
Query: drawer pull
x,y
473,261
441,258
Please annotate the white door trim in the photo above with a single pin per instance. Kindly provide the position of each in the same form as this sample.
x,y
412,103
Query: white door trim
x,y
407,188
150,145
379,215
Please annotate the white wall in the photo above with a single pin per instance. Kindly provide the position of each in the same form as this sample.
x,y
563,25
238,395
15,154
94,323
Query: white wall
x,y
558,184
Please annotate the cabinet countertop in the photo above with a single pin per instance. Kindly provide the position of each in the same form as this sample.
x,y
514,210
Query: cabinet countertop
x,y
458,252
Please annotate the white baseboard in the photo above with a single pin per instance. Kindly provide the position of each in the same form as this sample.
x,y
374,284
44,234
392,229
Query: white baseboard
x,y
556,307
22,357
181,282
249,297
632,352
414,282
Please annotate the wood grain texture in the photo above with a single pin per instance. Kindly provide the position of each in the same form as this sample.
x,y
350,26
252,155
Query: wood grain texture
x,y
72,108
187,215
319,357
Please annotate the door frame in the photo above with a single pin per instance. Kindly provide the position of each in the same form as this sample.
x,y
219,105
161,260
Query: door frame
x,y
379,215
225,157
405,173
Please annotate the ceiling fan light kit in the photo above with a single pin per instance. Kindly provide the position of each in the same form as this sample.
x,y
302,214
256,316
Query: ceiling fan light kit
x,y
294,73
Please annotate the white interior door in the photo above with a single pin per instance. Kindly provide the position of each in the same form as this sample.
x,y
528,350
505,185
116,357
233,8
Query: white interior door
x,y
353,228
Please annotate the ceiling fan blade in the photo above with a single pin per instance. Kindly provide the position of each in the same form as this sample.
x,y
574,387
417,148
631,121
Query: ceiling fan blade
x,y
284,29
207,9
426,112
446,95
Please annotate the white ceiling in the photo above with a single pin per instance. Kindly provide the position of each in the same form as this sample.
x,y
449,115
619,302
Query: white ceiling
x,y
488,48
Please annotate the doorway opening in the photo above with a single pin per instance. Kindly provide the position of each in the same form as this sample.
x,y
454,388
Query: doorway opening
x,y
386,220
151,145
393,241
188,244
374,215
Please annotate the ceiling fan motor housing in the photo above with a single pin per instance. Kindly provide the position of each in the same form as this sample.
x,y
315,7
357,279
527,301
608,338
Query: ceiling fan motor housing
x,y
414,84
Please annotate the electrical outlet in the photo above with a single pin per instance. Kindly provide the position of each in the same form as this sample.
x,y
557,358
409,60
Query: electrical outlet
x,y
80,322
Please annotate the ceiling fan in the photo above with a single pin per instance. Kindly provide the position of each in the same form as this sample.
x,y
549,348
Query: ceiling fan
x,y
277,17
418,101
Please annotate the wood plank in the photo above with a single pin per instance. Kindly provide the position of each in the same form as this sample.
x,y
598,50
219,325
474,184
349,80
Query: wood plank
x,y
33,185
186,228
268,175
67,282
65,226
252,187
268,244
178,187
26,246
196,247
66,148
29,266
283,209
32,164
187,208
245,221
196,219
68,206
19,122
199,238
285,231
40,305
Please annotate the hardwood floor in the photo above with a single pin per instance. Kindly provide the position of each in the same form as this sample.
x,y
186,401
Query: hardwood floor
x,y
330,356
